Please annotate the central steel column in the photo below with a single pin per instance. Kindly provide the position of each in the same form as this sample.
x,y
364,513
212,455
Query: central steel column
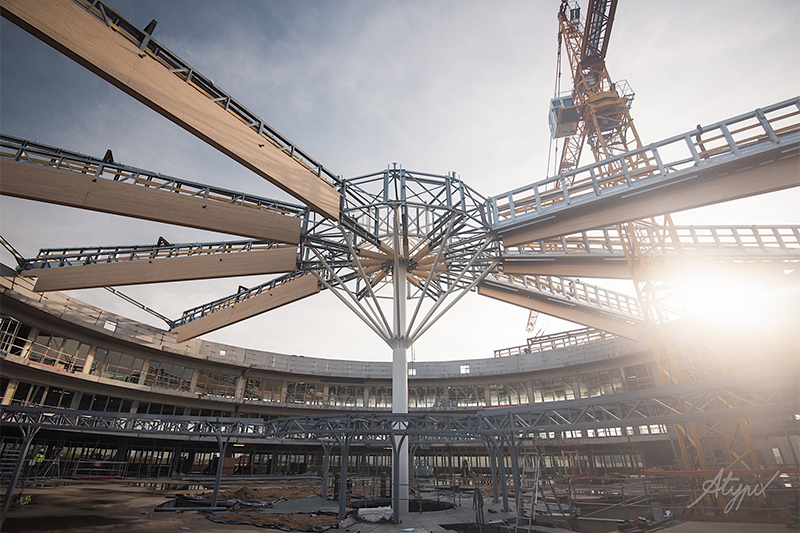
x,y
400,382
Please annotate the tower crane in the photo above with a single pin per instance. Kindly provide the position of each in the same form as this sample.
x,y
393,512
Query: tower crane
x,y
596,112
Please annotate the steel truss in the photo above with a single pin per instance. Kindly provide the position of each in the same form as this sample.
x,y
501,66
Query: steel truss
x,y
734,396
708,401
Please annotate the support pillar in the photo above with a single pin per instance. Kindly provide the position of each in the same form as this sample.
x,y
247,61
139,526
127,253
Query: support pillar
x,y
493,469
326,464
515,473
28,432
399,379
399,448
502,467
223,445
344,444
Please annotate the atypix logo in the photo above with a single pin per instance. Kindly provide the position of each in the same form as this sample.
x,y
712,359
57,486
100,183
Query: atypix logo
x,y
723,485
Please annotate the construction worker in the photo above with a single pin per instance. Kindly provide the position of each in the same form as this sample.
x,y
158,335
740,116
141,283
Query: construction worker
x,y
37,462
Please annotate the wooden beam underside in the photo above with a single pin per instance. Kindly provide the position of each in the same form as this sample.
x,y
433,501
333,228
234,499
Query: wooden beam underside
x,y
34,182
679,269
287,293
600,269
72,31
603,323
772,176
143,271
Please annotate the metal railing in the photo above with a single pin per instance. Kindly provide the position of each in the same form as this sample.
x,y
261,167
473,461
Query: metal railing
x,y
573,291
16,149
244,294
59,257
735,138
756,241
576,337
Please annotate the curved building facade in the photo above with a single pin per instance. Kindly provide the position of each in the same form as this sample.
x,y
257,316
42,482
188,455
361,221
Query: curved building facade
x,y
58,352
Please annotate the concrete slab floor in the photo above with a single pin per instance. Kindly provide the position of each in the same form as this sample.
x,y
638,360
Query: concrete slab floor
x,y
116,505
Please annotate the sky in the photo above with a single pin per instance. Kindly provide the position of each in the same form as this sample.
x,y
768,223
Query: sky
x,y
435,85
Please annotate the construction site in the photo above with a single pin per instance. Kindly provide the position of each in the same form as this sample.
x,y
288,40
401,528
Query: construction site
x,y
643,415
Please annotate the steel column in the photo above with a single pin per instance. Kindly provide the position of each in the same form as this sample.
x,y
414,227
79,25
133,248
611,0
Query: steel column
x,y
28,432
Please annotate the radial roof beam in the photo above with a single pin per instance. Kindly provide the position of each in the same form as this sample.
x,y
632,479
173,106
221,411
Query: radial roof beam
x,y
194,267
599,253
47,174
245,304
592,267
747,155
131,60
571,300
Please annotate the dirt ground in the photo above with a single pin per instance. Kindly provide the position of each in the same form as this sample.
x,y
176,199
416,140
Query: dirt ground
x,y
271,493
106,506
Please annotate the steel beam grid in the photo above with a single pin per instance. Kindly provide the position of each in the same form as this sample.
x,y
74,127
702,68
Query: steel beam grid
x,y
62,257
769,132
572,293
204,85
728,242
16,149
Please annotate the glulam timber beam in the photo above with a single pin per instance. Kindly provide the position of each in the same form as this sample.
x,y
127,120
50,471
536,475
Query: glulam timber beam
x,y
143,271
291,291
85,191
771,172
669,268
572,314
73,31
615,268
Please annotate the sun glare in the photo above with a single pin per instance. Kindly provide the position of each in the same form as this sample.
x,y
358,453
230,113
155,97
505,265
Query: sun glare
x,y
731,302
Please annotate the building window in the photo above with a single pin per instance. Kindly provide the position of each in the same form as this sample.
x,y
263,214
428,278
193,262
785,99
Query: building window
x,y
216,384
118,366
169,376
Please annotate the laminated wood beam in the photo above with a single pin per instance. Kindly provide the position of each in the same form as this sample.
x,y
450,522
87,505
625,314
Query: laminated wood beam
x,y
603,323
289,292
589,269
164,269
72,31
669,267
372,254
707,188
34,182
